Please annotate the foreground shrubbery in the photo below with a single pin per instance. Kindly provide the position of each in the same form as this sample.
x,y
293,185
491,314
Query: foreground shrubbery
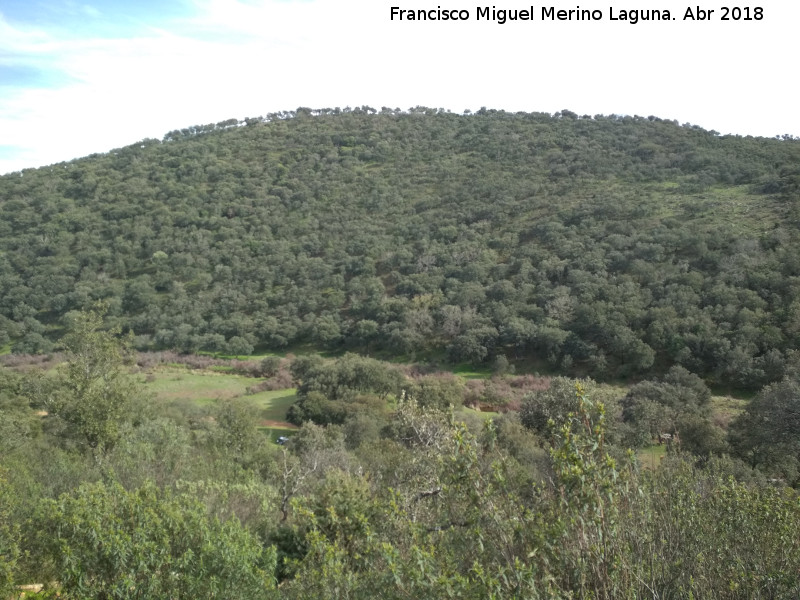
x,y
395,501
102,541
596,529
433,511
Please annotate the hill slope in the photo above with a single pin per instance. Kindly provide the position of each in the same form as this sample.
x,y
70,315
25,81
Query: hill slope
x,y
607,245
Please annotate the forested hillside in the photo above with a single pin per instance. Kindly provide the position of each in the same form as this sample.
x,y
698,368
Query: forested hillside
x,y
621,248
609,246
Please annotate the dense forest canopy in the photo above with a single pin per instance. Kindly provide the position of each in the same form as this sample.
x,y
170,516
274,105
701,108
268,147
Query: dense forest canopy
x,y
606,245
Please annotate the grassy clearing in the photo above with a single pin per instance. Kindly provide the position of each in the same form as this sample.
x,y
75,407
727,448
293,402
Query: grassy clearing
x,y
726,408
200,387
469,371
275,432
479,413
208,388
736,207
650,457
273,405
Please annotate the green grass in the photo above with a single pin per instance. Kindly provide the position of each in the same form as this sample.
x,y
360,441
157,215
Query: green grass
x,y
275,432
209,388
480,413
274,404
734,206
199,387
650,457
470,371
726,408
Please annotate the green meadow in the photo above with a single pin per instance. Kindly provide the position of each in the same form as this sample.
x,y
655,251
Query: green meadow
x,y
209,389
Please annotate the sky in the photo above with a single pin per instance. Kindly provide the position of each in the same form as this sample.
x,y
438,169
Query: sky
x,y
81,77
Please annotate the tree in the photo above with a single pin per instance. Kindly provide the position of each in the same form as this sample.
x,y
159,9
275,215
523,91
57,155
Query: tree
x,y
95,393
767,434
501,365
553,404
9,542
238,434
680,398
346,376
438,392
269,366
592,488
17,421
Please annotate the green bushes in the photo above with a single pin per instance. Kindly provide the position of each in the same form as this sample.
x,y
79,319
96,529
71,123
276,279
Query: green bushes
x,y
595,529
397,499
9,540
102,541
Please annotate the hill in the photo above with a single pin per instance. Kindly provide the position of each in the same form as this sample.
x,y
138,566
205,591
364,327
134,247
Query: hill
x,y
606,245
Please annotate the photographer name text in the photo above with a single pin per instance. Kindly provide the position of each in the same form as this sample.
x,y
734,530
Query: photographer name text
x,y
631,16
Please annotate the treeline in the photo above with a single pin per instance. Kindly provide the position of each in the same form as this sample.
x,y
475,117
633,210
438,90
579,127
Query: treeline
x,y
606,246
111,495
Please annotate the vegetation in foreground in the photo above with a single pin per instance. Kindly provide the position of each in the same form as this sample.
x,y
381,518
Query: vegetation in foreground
x,y
115,495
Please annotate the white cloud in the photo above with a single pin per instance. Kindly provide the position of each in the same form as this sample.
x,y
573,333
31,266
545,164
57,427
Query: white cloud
x,y
236,59
91,11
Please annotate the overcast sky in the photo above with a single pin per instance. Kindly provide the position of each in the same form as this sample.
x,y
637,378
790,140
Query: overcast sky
x,y
78,77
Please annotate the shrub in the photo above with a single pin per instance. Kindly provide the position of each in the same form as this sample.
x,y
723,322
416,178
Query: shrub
x,y
106,542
